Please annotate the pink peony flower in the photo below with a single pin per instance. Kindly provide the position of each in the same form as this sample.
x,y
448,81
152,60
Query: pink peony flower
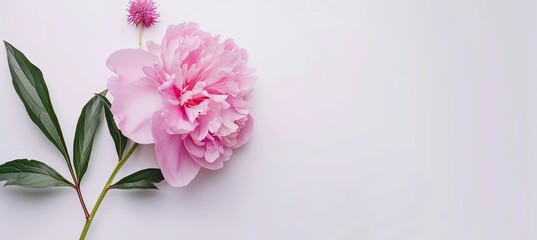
x,y
142,11
186,95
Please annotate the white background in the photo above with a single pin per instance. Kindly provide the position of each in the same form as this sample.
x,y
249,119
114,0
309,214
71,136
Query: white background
x,y
374,120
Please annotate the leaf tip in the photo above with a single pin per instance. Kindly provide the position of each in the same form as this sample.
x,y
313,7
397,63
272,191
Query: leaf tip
x,y
8,45
103,93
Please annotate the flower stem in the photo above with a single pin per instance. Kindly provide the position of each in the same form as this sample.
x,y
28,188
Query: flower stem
x,y
79,193
105,190
140,37
76,186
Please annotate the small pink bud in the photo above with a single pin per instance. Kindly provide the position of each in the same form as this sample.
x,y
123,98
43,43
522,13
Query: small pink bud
x,y
142,11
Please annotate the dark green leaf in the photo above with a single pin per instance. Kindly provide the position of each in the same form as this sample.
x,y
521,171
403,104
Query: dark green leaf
x,y
144,179
32,90
89,120
31,174
119,140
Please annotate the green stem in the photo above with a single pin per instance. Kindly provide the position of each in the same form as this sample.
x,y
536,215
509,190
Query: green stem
x,y
105,190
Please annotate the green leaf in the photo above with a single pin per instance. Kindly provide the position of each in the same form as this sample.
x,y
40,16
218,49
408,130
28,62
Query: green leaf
x,y
32,90
143,179
31,174
119,139
89,120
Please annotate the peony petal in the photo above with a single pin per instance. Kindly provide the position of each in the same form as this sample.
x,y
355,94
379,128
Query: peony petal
x,y
198,151
194,149
133,106
202,107
217,98
217,164
177,121
245,132
232,88
176,164
211,154
128,65
191,114
247,85
154,48
227,153
198,87
214,124
201,130
241,105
